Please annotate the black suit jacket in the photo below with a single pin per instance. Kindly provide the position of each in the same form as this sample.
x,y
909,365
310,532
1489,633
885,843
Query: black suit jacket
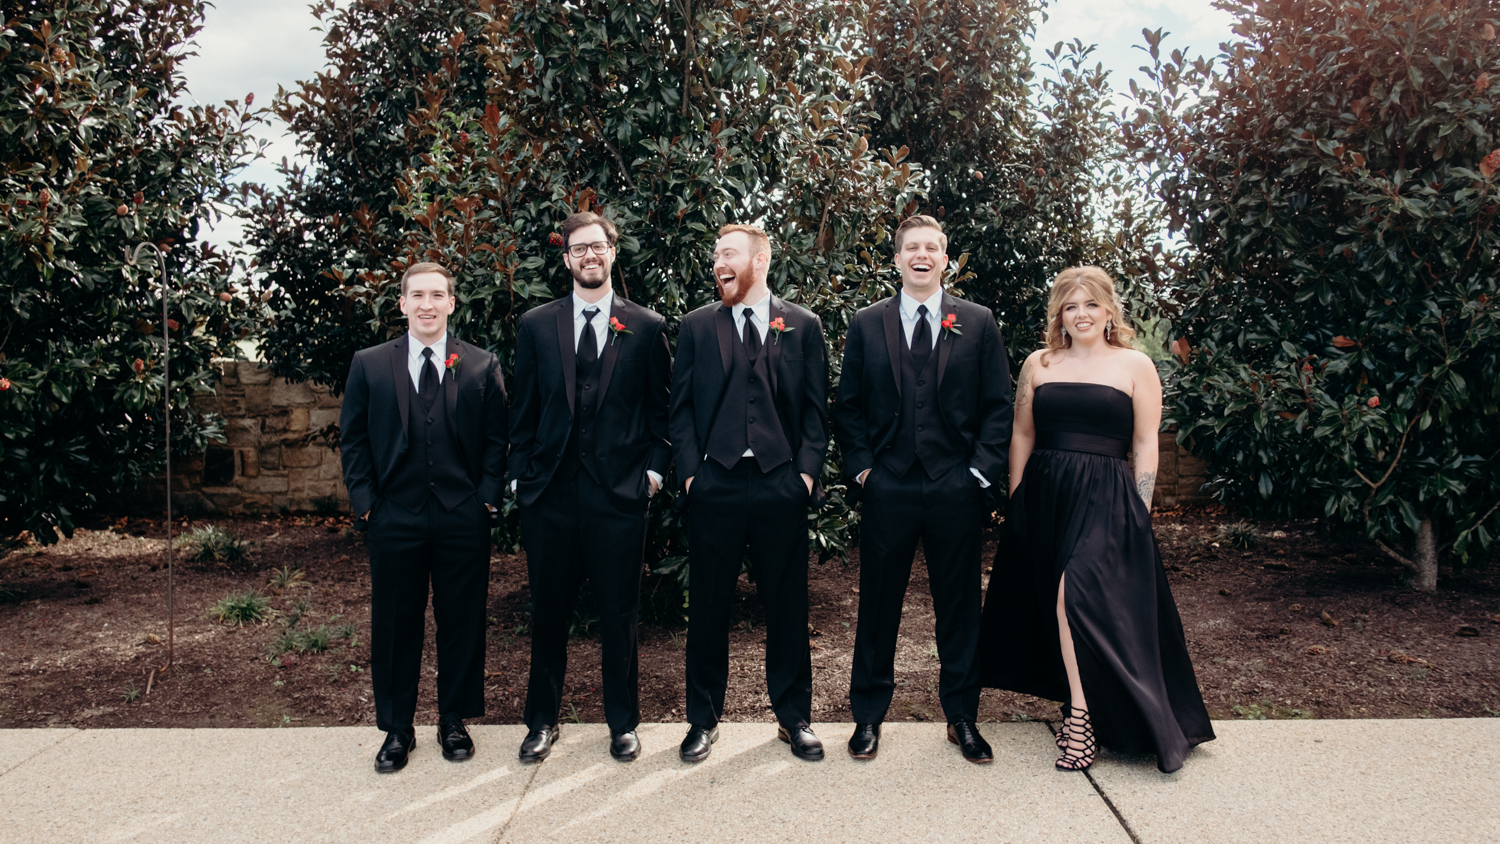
x,y
974,393
634,376
372,424
798,364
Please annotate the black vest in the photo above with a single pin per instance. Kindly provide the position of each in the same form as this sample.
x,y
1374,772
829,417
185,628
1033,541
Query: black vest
x,y
433,463
921,434
579,451
747,417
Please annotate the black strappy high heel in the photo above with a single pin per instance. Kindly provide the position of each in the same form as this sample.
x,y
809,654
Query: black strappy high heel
x,y
1080,732
1062,727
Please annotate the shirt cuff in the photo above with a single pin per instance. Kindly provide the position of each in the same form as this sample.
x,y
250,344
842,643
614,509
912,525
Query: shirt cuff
x,y
513,485
983,482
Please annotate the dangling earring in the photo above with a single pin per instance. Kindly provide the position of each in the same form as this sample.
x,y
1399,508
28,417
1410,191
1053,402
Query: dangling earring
x,y
1107,326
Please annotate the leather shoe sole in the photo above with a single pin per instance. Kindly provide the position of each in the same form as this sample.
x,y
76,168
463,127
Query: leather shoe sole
x,y
804,744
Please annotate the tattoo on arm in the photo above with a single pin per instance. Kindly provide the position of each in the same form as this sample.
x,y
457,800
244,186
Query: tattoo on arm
x,y
1021,384
1145,482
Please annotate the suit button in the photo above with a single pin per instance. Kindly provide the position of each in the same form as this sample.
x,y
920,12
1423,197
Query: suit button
x,y
431,483
429,463
752,419
429,421
752,379
919,427
919,404
583,430
921,383
752,401
588,386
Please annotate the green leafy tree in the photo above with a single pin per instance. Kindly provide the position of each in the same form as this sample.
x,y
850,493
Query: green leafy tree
x,y
1332,172
674,118
96,157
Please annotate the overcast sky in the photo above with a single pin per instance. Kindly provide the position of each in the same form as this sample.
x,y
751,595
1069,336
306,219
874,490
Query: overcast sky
x,y
252,46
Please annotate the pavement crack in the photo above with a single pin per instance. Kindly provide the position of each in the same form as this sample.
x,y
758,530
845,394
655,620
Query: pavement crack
x,y
1098,789
75,731
500,836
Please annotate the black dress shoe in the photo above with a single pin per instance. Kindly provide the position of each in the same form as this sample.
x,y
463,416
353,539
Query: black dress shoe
x,y
804,744
698,743
396,750
538,744
970,742
453,736
624,745
865,742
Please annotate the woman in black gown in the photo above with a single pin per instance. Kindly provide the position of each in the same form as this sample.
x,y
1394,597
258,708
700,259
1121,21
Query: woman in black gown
x,y
1078,606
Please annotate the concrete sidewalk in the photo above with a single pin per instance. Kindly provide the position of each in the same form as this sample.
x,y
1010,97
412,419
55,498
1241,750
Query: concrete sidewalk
x,y
1273,781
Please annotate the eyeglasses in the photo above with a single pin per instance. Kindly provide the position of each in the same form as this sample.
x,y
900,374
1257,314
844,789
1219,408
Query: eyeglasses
x,y
578,250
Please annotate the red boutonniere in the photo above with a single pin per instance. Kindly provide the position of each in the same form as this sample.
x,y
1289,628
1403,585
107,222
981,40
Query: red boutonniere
x,y
616,328
950,324
779,326
453,360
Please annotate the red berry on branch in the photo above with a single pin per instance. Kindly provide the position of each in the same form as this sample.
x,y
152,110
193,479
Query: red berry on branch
x,y
4,384
1374,401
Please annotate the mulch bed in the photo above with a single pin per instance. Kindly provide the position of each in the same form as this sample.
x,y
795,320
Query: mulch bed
x,y
1303,625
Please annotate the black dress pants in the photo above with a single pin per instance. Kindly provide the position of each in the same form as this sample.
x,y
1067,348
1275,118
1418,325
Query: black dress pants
x,y
945,516
574,530
451,549
732,512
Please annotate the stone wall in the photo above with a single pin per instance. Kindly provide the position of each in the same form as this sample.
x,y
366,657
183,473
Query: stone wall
x,y
277,457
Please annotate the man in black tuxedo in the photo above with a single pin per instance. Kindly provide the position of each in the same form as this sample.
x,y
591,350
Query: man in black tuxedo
x,y
749,431
923,415
423,439
588,449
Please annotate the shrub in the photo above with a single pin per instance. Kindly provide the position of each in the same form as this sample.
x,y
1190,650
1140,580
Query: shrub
x,y
213,544
240,607
1238,535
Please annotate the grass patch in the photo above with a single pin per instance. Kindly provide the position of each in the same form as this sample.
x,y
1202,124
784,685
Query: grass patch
x,y
1238,535
314,640
213,544
240,607
286,577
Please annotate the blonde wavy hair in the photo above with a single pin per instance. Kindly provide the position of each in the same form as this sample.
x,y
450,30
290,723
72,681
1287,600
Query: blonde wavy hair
x,y
1101,288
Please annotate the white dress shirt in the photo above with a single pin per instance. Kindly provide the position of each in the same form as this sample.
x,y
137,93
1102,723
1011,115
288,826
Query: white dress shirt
x,y
414,358
761,313
601,320
909,306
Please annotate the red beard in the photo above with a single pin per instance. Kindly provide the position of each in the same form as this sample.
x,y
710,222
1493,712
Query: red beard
x,y
734,292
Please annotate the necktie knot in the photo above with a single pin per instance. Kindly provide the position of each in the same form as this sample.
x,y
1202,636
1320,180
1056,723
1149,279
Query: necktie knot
x,y
427,352
922,312
589,314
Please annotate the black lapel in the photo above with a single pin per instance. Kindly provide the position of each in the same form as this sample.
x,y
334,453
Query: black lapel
x,y
945,339
893,339
612,343
401,377
567,354
450,383
724,325
772,343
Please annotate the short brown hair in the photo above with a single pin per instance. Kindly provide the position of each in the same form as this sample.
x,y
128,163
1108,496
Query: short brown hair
x,y
758,236
588,218
920,221
426,267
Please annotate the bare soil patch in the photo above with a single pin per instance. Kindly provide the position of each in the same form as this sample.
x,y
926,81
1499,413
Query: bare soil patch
x,y
1304,625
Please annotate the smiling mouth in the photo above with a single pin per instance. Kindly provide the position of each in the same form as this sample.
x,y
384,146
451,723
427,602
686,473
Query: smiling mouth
x,y
921,268
726,278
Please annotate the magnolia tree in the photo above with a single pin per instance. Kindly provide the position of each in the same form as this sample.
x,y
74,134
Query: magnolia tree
x,y
97,157
1333,172
673,119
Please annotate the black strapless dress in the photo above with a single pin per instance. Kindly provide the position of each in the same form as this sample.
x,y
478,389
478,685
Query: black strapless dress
x,y
1077,512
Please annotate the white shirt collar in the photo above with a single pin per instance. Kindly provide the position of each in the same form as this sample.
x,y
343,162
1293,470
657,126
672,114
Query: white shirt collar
x,y
604,305
439,347
934,303
761,309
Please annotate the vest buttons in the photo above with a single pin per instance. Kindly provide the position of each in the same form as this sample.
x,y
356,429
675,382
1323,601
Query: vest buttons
x,y
752,400
921,383
919,404
429,421
919,427
752,419
588,386
752,379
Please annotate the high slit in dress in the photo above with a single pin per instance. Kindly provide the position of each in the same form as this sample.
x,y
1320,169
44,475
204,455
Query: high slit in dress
x,y
1076,512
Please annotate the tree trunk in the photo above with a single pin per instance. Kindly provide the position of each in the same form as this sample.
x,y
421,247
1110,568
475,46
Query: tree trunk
x,y
1425,578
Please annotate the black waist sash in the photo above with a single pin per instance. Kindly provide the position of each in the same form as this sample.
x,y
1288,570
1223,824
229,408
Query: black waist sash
x,y
1088,443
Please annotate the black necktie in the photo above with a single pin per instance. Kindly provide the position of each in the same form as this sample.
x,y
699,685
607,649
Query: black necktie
x,y
921,339
588,343
427,385
751,337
